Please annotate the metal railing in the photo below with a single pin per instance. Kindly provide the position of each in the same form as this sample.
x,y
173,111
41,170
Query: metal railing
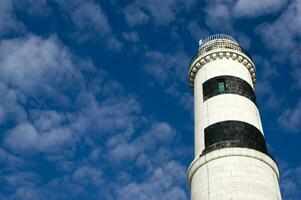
x,y
219,45
218,37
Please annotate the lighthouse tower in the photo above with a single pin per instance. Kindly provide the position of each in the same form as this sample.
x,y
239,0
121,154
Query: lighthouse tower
x,y
231,160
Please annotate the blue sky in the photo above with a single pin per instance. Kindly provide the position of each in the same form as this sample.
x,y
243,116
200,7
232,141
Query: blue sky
x,y
95,102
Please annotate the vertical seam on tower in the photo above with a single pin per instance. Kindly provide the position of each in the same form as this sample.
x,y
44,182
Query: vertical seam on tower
x,y
208,181
207,116
207,113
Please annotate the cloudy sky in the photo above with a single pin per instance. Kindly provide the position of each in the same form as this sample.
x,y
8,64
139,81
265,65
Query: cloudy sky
x,y
95,102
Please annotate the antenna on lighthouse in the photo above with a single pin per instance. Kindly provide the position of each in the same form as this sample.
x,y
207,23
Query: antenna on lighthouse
x,y
200,42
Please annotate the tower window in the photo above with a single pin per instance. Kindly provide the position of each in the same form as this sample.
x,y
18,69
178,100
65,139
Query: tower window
x,y
221,85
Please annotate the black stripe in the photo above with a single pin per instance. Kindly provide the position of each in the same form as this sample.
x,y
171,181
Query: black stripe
x,y
233,134
233,85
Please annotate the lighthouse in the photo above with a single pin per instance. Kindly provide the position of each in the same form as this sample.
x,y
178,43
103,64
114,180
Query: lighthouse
x,y
231,160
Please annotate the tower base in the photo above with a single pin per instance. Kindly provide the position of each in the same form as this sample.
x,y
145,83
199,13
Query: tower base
x,y
234,173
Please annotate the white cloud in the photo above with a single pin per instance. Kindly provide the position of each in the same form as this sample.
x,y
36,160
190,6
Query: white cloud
x,y
8,21
95,114
9,161
218,15
135,16
196,31
90,17
91,23
21,178
22,138
283,33
267,73
10,110
290,181
249,8
160,12
290,118
131,36
167,67
161,177
25,62
125,149
38,72
106,117
44,68
169,71
220,18
28,193
26,139
88,176
35,66
46,120
163,183
33,7
296,74
162,133
221,13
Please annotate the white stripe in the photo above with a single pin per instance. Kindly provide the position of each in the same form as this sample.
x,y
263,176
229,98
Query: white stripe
x,y
230,107
224,67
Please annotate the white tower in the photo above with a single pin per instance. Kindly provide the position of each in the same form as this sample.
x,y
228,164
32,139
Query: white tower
x,y
230,156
